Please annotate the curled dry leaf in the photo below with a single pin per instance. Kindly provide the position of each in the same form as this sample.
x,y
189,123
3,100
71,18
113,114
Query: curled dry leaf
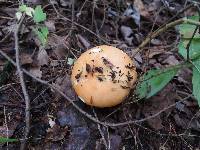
x,y
42,58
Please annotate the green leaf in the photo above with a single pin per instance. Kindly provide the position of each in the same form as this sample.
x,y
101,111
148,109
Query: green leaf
x,y
70,61
18,15
22,8
28,10
42,34
39,15
153,81
194,50
4,140
186,30
196,80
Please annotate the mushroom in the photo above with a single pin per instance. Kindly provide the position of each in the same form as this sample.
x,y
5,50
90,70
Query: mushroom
x,y
103,76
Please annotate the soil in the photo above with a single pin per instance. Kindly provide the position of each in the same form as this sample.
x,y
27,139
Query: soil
x,y
74,27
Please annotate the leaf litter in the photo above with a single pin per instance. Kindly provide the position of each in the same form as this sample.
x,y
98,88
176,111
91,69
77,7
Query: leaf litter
x,y
122,24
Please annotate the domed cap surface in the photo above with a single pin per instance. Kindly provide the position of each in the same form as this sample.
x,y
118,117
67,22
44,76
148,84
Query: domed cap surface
x,y
103,76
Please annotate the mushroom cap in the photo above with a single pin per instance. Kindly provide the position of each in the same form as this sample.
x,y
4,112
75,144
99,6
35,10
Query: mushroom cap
x,y
103,76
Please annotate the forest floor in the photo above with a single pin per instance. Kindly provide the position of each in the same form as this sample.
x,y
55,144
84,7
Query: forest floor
x,y
74,27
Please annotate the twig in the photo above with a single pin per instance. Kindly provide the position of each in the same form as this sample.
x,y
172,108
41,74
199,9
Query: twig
x,y
100,131
6,124
23,85
161,30
82,111
5,37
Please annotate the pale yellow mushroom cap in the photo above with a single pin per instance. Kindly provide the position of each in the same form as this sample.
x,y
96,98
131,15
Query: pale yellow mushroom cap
x,y
103,76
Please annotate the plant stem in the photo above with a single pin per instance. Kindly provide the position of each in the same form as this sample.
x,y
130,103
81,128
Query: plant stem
x,y
161,30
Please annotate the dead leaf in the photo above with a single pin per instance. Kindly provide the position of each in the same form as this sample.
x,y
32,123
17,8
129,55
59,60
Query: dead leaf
x,y
60,45
4,132
50,25
25,58
83,41
156,42
143,11
133,13
156,4
157,103
56,133
35,71
171,60
64,85
8,131
184,75
115,141
35,2
127,34
155,50
66,3
42,58
138,57
185,122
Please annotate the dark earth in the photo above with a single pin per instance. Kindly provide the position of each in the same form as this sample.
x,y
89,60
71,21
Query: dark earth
x,y
74,26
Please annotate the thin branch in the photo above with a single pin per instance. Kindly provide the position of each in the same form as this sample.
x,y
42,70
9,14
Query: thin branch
x,y
82,111
101,131
161,30
23,85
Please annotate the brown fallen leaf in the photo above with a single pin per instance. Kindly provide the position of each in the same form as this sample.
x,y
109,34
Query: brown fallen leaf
x,y
25,58
50,25
59,45
155,50
64,85
42,58
171,60
84,42
143,11
157,103
56,133
4,132
35,71
127,32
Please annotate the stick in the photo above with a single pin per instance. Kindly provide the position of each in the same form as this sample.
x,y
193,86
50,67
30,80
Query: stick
x,y
161,30
23,85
